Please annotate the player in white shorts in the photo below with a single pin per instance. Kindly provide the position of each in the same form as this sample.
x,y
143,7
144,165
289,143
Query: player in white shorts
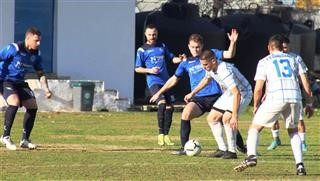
x,y
308,109
236,97
282,73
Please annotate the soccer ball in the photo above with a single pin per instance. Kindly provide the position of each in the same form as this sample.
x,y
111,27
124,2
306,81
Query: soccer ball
x,y
192,148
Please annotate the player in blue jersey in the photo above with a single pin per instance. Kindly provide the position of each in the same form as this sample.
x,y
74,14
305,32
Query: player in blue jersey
x,y
203,101
236,96
16,60
282,72
151,60
308,109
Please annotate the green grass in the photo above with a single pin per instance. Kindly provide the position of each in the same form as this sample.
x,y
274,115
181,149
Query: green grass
x,y
123,146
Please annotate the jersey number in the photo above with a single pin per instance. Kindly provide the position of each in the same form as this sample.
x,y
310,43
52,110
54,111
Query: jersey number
x,y
285,65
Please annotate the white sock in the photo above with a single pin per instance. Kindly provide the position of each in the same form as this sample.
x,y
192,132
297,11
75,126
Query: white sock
x,y
231,137
302,136
296,147
252,141
275,133
217,132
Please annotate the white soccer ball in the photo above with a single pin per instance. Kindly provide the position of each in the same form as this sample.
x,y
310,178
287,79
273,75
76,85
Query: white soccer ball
x,y
192,148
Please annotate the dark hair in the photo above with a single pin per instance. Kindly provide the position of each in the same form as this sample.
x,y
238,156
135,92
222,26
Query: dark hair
x,y
285,39
275,42
196,38
207,55
151,26
33,31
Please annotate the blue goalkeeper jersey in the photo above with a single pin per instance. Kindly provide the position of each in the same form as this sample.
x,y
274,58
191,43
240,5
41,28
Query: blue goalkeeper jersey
x,y
16,61
149,56
196,73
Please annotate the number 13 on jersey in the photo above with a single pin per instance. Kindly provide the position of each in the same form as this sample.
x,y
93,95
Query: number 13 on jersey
x,y
283,68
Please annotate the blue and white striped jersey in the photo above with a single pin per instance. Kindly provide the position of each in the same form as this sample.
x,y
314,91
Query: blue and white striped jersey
x,y
280,71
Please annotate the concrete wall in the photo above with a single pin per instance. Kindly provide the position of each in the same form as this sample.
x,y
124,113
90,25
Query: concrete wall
x,y
6,22
95,40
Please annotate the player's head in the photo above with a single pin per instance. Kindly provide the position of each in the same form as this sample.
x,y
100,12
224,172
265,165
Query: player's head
x,y
195,44
32,38
208,60
151,33
275,43
285,44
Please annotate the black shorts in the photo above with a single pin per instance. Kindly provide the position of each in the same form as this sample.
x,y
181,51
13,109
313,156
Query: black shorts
x,y
1,87
205,103
165,96
22,89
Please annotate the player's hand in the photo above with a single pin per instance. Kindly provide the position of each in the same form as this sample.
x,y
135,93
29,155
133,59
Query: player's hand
x,y
154,70
233,37
308,110
234,123
188,97
48,94
154,98
183,57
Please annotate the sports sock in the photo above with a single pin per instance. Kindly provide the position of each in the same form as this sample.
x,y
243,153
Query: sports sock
x,y
252,141
168,119
302,137
185,129
28,122
296,147
9,118
231,137
160,114
275,134
217,132
239,140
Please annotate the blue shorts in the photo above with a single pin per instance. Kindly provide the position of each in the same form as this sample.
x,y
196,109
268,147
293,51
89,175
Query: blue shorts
x,y
22,89
205,103
165,96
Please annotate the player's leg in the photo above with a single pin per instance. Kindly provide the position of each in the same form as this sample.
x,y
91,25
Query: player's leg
x,y
291,116
302,134
215,123
231,136
168,119
275,134
190,111
10,94
29,102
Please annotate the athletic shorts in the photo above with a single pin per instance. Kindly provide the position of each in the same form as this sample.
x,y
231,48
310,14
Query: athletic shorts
x,y
205,102
301,115
165,96
1,87
269,112
22,89
225,102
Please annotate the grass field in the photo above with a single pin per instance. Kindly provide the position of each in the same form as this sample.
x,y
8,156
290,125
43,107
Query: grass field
x,y
122,146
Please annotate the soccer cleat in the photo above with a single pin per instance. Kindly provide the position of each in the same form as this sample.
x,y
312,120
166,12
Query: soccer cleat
x,y
8,143
250,161
229,155
274,144
301,170
27,144
167,140
181,151
161,139
242,148
217,154
304,147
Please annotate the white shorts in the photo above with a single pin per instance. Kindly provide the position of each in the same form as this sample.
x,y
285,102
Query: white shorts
x,y
225,102
269,112
300,115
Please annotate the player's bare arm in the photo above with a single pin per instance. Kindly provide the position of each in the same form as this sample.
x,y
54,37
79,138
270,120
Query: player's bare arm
x,y
204,82
236,104
257,94
142,70
180,58
307,94
233,37
172,81
44,83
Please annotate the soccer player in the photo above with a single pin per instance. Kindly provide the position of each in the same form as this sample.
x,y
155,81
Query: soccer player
x,y
308,108
151,60
203,101
281,72
231,103
17,59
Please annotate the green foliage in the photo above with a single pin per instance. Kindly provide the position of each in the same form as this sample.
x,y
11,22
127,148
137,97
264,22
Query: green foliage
x,y
123,146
